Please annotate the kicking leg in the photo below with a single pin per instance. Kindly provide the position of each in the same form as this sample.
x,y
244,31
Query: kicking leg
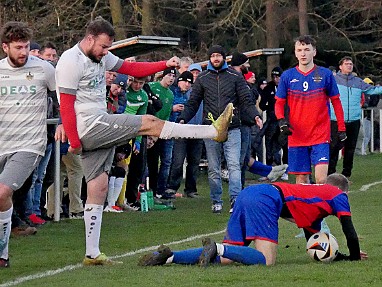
x,y
167,130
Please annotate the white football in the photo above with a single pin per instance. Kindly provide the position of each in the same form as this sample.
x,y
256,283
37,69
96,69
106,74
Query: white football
x,y
322,247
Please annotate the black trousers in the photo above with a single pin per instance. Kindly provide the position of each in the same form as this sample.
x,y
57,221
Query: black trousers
x,y
136,171
352,130
19,199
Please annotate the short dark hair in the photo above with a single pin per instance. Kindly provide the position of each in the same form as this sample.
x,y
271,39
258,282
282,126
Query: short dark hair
x,y
306,39
100,26
346,58
339,181
14,31
47,45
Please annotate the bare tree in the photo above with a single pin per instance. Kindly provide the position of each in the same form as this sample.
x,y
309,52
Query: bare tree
x,y
147,17
272,35
118,22
303,17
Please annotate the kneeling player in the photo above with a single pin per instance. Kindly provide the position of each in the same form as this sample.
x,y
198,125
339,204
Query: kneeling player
x,y
255,218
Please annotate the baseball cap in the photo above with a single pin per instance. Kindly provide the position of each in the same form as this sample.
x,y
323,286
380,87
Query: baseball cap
x,y
195,67
121,80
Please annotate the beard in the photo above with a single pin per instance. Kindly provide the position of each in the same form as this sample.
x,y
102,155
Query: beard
x,y
93,57
218,66
17,62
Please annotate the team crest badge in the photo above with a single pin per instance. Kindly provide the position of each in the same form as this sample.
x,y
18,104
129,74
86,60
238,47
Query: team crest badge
x,y
30,76
139,98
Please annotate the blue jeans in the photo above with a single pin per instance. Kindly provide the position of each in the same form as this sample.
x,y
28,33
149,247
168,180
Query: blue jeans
x,y
34,193
165,154
231,149
245,152
192,149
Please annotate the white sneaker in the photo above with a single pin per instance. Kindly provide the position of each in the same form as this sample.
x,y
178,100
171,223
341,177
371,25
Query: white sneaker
x,y
284,176
276,172
110,209
127,207
217,208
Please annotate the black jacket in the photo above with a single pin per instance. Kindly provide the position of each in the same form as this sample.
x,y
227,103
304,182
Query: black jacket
x,y
217,89
267,102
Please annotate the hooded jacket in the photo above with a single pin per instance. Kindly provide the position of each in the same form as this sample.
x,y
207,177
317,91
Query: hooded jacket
x,y
351,89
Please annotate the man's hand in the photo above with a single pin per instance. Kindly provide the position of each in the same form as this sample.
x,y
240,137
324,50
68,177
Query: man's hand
x,y
173,62
341,139
136,147
60,134
77,150
177,108
259,122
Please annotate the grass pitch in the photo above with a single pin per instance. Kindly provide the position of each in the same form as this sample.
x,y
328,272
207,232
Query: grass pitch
x,y
52,257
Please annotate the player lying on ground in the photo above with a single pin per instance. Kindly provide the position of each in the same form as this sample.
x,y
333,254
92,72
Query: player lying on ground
x,y
255,218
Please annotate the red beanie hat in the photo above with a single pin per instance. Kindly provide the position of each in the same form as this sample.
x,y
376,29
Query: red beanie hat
x,y
248,75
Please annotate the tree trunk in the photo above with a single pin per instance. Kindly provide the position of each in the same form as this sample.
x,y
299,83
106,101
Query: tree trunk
x,y
273,41
147,17
303,17
117,17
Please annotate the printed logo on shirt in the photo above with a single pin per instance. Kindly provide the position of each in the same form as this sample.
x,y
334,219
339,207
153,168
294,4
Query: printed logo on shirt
x,y
317,79
29,76
16,90
294,81
95,82
323,159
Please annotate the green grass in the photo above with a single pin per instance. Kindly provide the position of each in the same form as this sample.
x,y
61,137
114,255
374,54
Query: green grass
x,y
57,245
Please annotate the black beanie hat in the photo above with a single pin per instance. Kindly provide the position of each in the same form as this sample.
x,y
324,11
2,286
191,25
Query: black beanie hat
x,y
216,49
170,70
277,71
238,59
187,77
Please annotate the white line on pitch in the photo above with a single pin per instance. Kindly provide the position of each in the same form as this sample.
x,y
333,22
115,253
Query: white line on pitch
x,y
367,186
76,266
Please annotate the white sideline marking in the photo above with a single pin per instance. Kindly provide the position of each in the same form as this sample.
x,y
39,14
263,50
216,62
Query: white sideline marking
x,y
367,186
79,265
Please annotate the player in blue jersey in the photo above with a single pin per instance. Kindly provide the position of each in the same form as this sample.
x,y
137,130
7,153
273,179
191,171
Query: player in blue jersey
x,y
255,218
306,90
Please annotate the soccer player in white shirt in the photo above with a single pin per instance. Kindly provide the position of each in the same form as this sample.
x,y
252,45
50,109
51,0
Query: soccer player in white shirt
x,y
24,81
93,133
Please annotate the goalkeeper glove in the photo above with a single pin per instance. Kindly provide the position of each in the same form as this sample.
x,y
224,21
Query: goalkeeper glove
x,y
285,131
341,139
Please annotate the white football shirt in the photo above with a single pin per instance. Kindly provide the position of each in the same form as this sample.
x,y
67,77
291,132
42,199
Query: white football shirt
x,y
23,105
78,75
